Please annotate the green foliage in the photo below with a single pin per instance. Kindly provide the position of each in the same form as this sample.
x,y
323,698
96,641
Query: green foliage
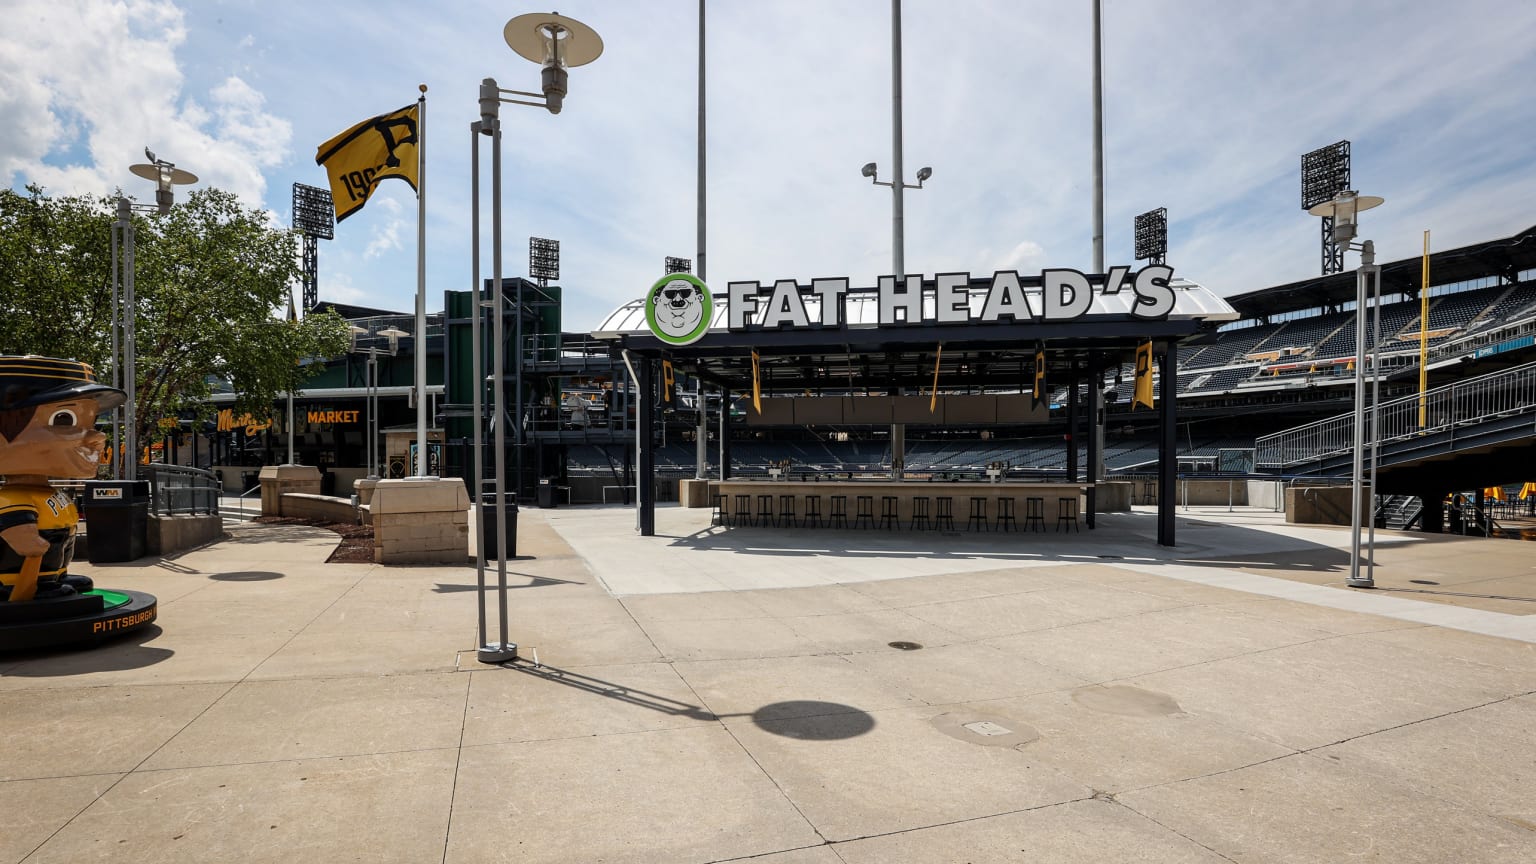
x,y
212,282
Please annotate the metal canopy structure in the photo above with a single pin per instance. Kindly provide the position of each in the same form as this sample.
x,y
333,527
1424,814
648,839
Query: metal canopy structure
x,y
861,357
1509,257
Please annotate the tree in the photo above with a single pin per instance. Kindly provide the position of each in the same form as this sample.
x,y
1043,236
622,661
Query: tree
x,y
211,281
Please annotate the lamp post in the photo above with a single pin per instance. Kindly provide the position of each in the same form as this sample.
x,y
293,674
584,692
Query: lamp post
x,y
371,400
1344,210
556,43
166,176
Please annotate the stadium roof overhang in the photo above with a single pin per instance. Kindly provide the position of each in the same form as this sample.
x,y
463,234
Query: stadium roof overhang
x,y
1505,257
972,350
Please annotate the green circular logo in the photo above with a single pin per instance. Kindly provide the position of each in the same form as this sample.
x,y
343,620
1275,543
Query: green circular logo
x,y
678,308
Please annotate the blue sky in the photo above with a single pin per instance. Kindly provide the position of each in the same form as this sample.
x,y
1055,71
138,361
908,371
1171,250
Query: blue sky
x,y
1208,106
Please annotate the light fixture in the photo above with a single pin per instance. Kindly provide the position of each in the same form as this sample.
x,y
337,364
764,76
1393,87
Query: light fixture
x,y
166,176
1345,209
868,170
923,174
555,42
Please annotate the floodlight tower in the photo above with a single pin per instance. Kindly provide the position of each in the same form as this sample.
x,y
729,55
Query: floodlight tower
x,y
314,217
1152,236
1324,174
677,265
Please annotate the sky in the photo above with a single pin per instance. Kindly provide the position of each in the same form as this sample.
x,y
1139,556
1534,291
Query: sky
x,y
1208,106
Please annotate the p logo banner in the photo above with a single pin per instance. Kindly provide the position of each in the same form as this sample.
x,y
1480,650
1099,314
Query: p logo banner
x,y
679,308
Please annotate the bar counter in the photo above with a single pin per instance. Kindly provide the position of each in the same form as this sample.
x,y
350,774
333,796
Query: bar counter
x,y
960,493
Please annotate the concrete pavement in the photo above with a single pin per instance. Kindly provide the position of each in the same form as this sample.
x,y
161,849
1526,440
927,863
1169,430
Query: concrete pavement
x,y
732,694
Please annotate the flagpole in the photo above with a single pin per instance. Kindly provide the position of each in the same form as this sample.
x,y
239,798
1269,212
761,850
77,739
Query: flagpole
x,y
421,283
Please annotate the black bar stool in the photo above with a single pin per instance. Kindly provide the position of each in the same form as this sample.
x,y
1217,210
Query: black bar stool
x,y
838,518
920,512
812,511
944,517
721,517
866,514
1066,511
1005,521
743,510
978,514
1034,513
787,510
888,512
765,509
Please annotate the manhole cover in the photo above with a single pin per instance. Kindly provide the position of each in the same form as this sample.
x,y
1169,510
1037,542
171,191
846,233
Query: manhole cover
x,y
905,646
987,730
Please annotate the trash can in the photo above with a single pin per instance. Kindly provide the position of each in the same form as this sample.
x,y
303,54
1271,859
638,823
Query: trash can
x,y
546,493
488,524
116,519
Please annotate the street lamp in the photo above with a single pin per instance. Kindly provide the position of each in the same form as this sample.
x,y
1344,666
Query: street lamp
x,y
1344,210
556,43
166,176
371,401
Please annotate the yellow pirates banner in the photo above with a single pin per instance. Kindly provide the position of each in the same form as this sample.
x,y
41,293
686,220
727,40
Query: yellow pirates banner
x,y
1143,376
379,147
668,380
1038,394
757,387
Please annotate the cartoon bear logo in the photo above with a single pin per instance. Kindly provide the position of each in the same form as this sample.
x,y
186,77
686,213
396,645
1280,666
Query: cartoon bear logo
x,y
679,309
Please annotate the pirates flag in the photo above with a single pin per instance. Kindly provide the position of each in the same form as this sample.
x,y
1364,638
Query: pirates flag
x,y
379,147
757,390
668,380
1039,391
1143,394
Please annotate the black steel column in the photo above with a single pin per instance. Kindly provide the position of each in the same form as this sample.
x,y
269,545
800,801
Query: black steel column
x,y
1432,516
1168,446
1072,425
645,469
1095,419
725,433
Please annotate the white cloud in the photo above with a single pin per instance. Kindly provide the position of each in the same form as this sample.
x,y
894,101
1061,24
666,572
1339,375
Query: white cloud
x,y
88,84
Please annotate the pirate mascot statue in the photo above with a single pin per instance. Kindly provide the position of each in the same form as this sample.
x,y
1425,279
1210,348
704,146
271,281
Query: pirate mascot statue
x,y
48,410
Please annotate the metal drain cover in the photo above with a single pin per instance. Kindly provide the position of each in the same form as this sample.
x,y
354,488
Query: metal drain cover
x,y
988,730
905,646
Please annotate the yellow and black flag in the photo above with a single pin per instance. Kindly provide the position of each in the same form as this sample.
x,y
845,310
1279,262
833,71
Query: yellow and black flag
x,y
668,380
757,389
379,147
1039,394
1143,394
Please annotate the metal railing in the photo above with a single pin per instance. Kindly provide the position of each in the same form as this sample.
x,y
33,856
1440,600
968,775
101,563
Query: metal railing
x,y
1464,403
178,489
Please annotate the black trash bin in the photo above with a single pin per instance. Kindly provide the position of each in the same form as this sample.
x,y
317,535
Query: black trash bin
x,y
488,524
116,519
546,493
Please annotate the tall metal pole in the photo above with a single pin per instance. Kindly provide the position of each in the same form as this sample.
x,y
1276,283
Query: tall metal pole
x,y
117,413
499,407
421,284
701,432
1096,382
1367,258
1373,273
131,447
898,227
477,401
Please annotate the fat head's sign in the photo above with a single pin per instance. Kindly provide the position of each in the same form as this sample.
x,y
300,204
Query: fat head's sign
x,y
680,307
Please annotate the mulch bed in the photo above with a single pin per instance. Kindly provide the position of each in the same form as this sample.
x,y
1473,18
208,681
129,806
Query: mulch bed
x,y
356,540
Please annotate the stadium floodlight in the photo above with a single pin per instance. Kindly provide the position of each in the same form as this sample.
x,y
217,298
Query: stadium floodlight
x,y
923,174
678,265
543,259
1341,217
869,170
1152,236
1324,174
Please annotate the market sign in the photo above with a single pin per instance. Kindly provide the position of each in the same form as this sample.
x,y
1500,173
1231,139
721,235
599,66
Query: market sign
x,y
679,307
333,417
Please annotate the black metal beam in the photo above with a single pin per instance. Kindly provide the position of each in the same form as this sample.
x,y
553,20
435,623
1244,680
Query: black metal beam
x,y
1168,446
645,399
